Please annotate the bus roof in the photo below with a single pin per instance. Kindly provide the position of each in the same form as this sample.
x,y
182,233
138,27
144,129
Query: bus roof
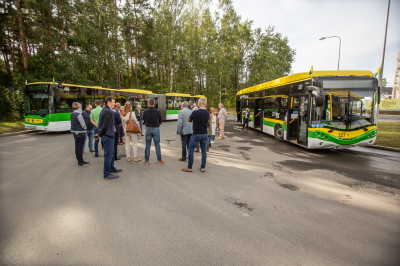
x,y
304,76
178,94
199,96
94,87
137,91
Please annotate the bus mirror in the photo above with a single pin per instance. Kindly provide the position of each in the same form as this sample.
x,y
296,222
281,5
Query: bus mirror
x,y
318,93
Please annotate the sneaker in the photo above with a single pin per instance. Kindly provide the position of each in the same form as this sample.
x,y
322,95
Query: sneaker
x,y
146,163
212,142
202,170
96,155
111,176
187,169
84,164
182,160
160,162
116,171
196,150
91,151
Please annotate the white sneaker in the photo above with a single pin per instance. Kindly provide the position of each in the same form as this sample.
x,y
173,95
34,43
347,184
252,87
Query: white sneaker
x,y
212,142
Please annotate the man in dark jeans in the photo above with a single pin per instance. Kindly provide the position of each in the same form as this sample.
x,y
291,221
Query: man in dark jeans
x,y
107,136
152,120
78,127
200,120
184,128
118,124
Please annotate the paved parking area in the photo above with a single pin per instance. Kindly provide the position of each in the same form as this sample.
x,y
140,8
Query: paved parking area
x,y
260,202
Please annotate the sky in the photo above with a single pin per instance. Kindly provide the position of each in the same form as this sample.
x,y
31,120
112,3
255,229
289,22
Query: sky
x,y
359,23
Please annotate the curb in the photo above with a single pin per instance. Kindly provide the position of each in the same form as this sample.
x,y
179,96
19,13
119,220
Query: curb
x,y
384,148
18,133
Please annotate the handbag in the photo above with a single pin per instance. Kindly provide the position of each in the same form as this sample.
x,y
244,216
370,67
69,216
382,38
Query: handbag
x,y
131,126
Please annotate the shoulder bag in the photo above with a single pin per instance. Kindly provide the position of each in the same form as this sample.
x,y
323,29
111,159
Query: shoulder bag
x,y
131,126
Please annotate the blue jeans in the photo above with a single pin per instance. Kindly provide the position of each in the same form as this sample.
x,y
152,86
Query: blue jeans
x,y
90,134
79,143
108,144
152,133
196,138
185,140
96,141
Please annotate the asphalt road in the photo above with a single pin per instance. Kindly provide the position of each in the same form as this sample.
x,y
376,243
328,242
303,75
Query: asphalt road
x,y
260,202
389,118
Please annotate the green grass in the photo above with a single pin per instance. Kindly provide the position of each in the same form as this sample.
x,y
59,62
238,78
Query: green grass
x,y
10,127
388,134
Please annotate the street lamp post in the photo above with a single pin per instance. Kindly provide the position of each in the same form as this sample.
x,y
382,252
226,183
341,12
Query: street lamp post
x,y
340,44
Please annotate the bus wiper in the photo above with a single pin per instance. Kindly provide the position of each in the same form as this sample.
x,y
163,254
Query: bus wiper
x,y
333,129
365,129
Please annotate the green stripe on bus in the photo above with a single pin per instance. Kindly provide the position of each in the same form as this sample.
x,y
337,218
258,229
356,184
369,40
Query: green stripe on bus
x,y
273,124
172,112
327,137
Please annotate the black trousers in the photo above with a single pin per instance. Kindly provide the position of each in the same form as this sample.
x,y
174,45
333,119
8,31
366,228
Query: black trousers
x,y
185,140
246,121
116,146
79,142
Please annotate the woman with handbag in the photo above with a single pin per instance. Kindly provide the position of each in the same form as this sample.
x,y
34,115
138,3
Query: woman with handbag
x,y
131,129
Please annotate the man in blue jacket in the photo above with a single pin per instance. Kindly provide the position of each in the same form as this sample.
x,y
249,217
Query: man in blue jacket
x,y
107,130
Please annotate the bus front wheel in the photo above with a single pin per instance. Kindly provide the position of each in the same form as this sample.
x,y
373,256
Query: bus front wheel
x,y
279,133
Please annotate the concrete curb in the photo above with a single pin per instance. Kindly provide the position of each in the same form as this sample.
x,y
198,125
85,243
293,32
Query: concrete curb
x,y
18,133
384,148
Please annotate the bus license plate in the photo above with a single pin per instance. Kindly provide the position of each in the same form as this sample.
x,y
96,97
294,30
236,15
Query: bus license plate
x,y
340,147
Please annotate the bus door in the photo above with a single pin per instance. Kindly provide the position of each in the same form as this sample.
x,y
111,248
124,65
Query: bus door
x,y
303,119
258,115
239,111
292,123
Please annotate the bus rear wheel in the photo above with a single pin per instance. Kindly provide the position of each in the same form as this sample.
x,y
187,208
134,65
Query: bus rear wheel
x,y
279,133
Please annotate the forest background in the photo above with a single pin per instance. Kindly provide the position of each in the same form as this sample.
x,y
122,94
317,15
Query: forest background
x,y
187,46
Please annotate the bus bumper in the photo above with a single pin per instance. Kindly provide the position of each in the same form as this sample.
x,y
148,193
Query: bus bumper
x,y
314,143
52,126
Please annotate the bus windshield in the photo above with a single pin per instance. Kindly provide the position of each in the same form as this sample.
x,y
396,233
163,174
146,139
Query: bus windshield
x,y
37,100
345,110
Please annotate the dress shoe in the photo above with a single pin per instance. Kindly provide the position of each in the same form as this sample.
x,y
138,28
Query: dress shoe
x,y
119,143
116,171
187,169
122,142
160,162
182,160
117,158
146,163
202,170
96,155
111,176
142,135
91,151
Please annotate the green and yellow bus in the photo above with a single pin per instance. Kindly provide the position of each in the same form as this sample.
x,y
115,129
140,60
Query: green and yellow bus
x,y
48,105
174,102
322,110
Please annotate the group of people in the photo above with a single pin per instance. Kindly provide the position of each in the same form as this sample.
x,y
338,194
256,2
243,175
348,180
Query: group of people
x,y
197,127
108,124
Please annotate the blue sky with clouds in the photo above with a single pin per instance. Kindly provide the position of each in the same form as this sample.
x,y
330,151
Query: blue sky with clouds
x,y
359,23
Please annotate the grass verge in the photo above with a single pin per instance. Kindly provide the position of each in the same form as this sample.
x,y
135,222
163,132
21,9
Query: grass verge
x,y
388,134
10,127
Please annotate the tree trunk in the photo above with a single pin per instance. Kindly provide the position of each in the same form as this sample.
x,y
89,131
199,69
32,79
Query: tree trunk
x,y
132,74
116,45
136,45
22,36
